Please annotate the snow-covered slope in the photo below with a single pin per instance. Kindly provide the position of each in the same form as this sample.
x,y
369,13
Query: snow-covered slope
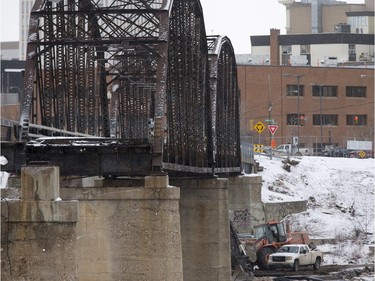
x,y
340,194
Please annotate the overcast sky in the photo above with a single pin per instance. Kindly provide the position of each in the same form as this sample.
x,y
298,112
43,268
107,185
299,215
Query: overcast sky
x,y
237,19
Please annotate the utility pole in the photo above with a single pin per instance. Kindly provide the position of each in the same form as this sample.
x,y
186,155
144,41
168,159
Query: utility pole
x,y
321,117
321,113
299,119
298,76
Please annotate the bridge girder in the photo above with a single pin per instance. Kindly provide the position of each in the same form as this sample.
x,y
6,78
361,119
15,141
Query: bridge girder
x,y
142,71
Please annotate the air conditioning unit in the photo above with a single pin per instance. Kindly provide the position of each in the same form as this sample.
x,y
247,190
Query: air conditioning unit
x,y
329,61
286,2
342,28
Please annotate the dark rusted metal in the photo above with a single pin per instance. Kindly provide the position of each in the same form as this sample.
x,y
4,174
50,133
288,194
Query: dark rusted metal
x,y
92,156
188,101
141,71
225,97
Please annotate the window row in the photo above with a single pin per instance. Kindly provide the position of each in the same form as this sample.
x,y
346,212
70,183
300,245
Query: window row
x,y
326,91
326,119
287,50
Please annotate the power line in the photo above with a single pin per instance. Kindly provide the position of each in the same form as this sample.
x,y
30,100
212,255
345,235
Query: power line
x,y
317,110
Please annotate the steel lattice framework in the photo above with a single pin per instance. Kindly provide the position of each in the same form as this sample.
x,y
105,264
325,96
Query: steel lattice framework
x,y
140,71
225,104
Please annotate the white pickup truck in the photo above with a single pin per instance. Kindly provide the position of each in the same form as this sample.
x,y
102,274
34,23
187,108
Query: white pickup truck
x,y
292,150
295,255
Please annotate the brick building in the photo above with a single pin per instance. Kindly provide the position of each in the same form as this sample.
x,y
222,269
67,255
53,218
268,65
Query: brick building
x,y
270,93
316,83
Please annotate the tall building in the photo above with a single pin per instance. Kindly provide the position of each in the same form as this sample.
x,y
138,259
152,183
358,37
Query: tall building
x,y
24,17
327,16
320,33
9,50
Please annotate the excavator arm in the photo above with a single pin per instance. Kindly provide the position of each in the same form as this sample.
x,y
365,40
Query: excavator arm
x,y
239,257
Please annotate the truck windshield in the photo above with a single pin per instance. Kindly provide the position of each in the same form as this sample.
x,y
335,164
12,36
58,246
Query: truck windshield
x,y
288,249
260,231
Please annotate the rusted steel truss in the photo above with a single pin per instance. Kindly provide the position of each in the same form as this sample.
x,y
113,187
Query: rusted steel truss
x,y
141,71
225,104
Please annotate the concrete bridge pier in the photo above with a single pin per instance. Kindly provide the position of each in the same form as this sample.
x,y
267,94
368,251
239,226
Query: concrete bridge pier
x,y
38,233
128,229
204,229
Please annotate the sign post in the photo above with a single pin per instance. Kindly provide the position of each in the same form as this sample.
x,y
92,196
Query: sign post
x,y
273,129
259,127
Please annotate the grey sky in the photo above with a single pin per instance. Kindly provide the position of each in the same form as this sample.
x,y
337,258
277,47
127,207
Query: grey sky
x,y
237,19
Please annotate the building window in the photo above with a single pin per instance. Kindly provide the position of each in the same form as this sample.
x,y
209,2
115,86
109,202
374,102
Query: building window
x,y
355,92
351,48
292,119
351,52
286,49
327,91
305,49
356,120
292,90
286,52
327,120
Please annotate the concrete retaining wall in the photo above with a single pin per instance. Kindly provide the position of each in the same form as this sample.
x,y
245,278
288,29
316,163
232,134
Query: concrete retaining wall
x,y
278,211
246,208
245,202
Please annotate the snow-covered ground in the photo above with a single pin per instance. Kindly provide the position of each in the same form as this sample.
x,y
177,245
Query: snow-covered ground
x,y
340,194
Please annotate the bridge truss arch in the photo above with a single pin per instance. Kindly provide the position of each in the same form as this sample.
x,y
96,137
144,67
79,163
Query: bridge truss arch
x,y
139,71
225,96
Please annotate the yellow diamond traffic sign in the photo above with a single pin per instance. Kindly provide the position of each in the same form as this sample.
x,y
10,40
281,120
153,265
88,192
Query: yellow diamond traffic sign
x,y
259,127
362,154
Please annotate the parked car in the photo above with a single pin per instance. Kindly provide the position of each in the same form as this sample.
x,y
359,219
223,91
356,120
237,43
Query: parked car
x,y
295,255
337,152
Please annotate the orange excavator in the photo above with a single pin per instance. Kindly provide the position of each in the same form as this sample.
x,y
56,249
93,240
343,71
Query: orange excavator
x,y
269,237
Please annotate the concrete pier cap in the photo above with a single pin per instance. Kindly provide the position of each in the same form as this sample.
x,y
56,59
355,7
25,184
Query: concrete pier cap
x,y
40,183
157,181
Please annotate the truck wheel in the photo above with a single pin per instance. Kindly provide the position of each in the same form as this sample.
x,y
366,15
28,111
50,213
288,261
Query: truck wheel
x,y
296,266
263,258
316,265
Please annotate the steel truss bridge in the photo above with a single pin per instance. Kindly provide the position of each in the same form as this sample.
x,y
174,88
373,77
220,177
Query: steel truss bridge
x,y
137,82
